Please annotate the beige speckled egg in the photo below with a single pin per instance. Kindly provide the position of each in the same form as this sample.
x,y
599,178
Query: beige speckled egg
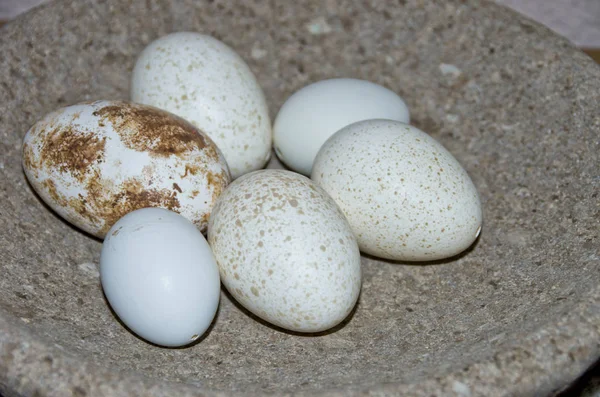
x,y
285,251
201,79
405,196
94,162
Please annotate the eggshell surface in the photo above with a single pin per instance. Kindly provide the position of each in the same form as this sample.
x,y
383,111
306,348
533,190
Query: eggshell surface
x,y
405,196
160,277
204,81
285,251
314,113
94,162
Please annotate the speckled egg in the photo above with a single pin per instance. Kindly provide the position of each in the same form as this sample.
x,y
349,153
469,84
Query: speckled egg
x,y
285,251
405,196
94,162
201,79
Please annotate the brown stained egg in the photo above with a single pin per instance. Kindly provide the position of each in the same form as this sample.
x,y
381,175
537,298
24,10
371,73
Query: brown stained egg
x,y
94,162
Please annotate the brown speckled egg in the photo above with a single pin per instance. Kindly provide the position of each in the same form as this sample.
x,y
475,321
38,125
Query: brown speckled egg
x,y
203,80
285,251
405,195
94,162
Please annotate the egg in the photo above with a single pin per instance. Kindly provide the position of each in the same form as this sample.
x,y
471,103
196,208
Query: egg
x,y
405,196
160,277
94,162
201,79
314,113
285,251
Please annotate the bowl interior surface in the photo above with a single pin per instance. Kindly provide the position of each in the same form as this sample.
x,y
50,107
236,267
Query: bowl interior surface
x,y
497,91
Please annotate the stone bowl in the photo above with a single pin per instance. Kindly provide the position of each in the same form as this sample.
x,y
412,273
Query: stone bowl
x,y
518,314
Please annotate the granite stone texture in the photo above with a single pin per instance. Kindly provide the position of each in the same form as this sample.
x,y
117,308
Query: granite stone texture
x,y
518,314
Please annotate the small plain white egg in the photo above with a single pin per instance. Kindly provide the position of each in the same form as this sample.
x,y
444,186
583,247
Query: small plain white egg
x,y
160,277
285,251
94,162
314,113
201,79
405,196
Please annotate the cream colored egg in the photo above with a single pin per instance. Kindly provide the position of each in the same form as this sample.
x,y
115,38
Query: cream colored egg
x,y
285,251
204,81
405,196
94,162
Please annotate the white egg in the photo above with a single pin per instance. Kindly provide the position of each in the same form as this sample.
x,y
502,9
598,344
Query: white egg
x,y
160,277
285,251
96,161
204,81
314,113
405,196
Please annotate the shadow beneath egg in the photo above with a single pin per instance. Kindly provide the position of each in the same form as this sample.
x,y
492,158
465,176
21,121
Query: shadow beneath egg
x,y
444,261
191,344
265,323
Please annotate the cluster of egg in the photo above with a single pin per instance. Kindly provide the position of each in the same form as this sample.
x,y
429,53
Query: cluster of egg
x,y
152,175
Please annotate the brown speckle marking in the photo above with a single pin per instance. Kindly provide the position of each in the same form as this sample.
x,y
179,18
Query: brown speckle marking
x,y
218,182
71,151
50,187
147,129
127,197
148,171
176,187
29,160
294,202
191,170
80,205
254,291
202,224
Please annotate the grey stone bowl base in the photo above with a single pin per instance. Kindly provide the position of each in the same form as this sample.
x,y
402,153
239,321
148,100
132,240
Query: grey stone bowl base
x,y
518,314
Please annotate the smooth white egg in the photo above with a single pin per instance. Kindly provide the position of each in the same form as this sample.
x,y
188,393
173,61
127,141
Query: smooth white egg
x,y
285,251
160,277
201,79
314,113
405,196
